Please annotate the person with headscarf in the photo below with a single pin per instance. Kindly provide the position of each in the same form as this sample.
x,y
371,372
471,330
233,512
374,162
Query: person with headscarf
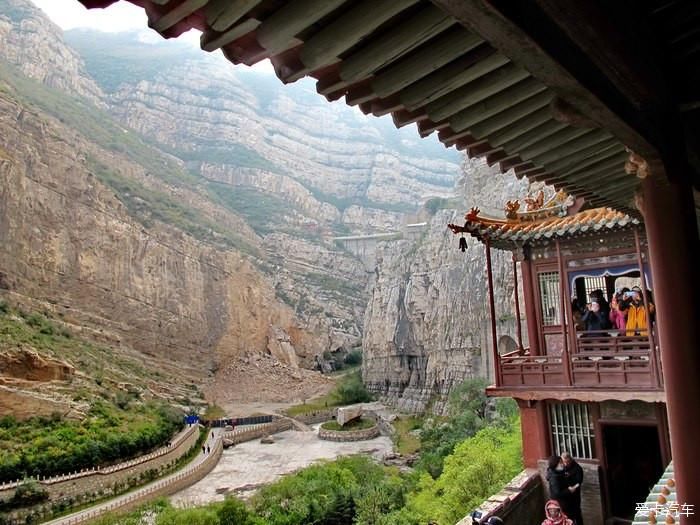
x,y
554,515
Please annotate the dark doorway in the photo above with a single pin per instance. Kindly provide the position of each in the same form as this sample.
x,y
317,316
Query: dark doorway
x,y
633,458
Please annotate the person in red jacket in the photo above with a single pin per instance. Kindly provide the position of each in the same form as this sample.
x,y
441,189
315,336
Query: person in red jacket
x,y
554,515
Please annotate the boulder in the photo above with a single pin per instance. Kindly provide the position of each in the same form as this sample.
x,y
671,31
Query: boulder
x,y
347,414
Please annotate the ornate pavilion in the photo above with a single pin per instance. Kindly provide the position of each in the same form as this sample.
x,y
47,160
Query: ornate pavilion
x,y
598,394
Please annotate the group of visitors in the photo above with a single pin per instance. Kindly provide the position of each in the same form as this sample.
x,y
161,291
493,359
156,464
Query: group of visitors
x,y
565,477
626,311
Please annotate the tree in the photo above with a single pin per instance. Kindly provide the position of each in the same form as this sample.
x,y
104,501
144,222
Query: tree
x,y
351,390
469,410
479,467
234,512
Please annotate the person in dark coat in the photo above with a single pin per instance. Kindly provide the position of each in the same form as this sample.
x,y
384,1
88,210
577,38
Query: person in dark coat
x,y
573,478
557,484
598,297
594,318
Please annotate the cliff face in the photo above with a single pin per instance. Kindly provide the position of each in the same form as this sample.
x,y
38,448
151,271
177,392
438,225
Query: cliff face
x,y
211,115
297,169
160,201
30,42
70,246
193,217
427,323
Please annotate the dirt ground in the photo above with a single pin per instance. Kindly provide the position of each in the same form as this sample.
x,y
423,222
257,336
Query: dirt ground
x,y
262,380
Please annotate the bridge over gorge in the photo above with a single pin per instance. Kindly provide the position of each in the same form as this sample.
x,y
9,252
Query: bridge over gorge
x,y
365,246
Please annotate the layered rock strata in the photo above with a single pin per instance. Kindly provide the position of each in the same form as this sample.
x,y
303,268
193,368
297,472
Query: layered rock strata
x,y
427,325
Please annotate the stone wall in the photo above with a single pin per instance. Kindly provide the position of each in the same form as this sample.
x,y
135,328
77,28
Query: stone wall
x,y
521,502
348,435
591,497
185,478
258,431
318,416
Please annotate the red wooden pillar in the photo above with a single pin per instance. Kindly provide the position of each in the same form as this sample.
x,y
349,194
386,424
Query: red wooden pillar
x,y
518,327
672,233
533,424
563,293
533,336
492,308
645,296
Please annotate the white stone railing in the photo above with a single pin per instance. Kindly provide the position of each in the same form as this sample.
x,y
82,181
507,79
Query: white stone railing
x,y
184,478
182,436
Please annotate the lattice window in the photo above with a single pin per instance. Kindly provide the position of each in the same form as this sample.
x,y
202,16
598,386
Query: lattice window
x,y
572,429
551,300
594,283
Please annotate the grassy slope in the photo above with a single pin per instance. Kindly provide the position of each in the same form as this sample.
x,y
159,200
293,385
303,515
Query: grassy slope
x,y
120,416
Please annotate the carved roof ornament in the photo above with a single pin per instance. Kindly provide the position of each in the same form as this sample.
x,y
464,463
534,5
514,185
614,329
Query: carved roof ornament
x,y
532,204
511,209
636,165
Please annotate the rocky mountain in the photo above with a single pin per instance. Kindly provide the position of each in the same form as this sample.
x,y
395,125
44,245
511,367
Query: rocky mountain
x,y
38,51
162,202
427,324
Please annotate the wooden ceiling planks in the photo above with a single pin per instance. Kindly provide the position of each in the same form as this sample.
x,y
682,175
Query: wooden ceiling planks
x,y
222,14
465,69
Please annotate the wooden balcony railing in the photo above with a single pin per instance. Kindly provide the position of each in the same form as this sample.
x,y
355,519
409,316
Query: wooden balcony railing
x,y
602,359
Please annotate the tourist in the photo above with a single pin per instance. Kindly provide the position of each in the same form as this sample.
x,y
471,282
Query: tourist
x,y
618,314
598,297
573,477
577,313
555,478
638,315
554,515
595,319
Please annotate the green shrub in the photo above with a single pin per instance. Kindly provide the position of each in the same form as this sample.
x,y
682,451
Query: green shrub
x,y
326,493
353,357
467,407
234,512
194,516
351,390
53,445
479,467
27,494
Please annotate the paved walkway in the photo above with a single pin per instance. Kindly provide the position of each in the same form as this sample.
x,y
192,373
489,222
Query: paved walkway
x,y
119,501
247,466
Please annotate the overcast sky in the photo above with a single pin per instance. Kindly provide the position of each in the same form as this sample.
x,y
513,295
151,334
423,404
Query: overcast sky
x,y
69,14
120,16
